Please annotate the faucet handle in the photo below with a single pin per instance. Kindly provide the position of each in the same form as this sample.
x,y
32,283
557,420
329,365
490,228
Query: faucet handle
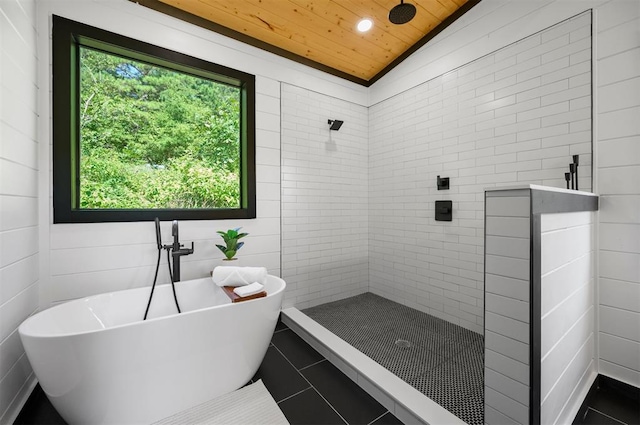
x,y
183,251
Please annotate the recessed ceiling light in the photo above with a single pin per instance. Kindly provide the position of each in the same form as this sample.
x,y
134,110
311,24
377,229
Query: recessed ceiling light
x,y
365,25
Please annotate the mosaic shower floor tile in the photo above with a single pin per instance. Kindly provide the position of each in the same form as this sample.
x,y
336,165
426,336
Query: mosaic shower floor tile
x,y
442,360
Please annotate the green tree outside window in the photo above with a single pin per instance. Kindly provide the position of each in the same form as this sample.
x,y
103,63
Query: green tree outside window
x,y
152,137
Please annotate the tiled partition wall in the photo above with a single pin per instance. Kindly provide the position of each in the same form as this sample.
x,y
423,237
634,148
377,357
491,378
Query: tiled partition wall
x,y
19,250
513,116
618,59
567,311
507,337
539,336
324,198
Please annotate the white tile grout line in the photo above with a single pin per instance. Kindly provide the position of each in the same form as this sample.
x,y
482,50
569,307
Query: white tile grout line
x,y
293,395
373,421
308,366
604,414
407,400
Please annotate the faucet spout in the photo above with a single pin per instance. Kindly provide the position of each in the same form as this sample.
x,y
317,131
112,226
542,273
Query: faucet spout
x,y
174,233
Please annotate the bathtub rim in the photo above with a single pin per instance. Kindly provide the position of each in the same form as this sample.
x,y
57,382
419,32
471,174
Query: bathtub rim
x,y
21,329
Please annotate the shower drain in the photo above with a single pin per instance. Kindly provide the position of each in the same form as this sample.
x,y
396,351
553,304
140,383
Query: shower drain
x,y
403,343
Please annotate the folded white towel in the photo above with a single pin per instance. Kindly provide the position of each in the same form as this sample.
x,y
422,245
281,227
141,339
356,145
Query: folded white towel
x,y
245,291
238,276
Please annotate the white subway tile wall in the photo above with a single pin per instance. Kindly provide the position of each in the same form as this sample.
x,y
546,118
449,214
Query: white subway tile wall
x,y
19,240
513,116
507,307
618,161
568,323
324,198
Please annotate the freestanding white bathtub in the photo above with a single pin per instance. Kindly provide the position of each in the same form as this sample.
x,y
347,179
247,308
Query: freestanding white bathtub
x,y
99,363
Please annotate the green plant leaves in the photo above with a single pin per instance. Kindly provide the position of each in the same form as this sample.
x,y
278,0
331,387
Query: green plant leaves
x,y
230,238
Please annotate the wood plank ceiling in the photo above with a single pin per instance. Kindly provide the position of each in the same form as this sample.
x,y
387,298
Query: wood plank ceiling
x,y
322,33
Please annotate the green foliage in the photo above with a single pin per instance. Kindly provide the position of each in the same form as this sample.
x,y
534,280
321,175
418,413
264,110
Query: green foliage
x,y
230,238
155,138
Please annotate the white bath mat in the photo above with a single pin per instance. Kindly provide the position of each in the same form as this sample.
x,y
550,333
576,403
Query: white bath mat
x,y
249,405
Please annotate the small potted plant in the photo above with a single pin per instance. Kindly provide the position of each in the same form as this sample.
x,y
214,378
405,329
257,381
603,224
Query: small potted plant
x,y
230,238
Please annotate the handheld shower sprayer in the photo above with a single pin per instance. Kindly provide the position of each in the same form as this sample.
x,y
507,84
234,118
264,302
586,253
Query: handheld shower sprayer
x,y
155,278
158,235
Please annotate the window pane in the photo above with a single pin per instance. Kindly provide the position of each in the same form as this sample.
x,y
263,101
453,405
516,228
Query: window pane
x,y
155,138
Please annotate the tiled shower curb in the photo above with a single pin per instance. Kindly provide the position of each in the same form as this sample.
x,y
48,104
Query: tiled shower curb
x,y
405,402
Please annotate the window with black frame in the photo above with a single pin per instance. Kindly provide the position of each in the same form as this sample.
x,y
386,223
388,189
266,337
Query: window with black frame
x,y
143,132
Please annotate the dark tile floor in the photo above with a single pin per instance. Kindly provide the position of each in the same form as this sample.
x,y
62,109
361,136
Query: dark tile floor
x,y
38,411
306,386
610,402
310,390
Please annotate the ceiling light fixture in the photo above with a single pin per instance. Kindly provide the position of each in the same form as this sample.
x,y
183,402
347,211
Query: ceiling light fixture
x,y
402,13
365,25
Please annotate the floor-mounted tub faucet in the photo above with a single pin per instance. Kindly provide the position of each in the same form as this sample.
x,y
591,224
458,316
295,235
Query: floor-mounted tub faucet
x,y
177,251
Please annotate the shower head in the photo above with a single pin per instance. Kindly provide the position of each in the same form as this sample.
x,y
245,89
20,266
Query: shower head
x,y
335,124
402,13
